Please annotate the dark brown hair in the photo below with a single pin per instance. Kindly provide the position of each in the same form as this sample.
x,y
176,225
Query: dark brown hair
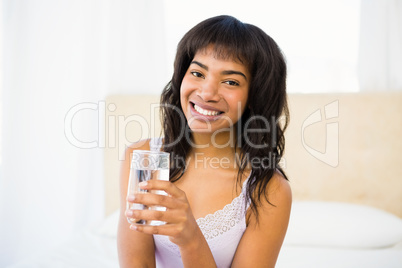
x,y
267,101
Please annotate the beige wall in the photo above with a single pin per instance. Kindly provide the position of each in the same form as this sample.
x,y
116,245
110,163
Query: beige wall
x,y
369,170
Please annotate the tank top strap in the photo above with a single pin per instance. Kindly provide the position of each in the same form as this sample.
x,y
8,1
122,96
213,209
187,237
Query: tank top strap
x,y
155,144
247,201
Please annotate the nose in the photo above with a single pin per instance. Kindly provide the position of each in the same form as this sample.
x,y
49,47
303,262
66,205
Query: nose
x,y
209,92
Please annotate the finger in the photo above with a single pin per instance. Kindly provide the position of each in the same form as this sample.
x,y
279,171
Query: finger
x,y
166,186
146,229
131,219
151,199
156,215
166,229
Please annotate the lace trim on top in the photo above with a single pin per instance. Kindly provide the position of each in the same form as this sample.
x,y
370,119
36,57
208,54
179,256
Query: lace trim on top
x,y
218,223
224,219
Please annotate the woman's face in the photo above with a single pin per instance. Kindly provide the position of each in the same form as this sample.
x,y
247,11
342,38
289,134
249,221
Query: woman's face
x,y
214,92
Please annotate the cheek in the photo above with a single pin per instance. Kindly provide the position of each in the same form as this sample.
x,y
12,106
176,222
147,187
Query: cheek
x,y
185,89
185,92
238,102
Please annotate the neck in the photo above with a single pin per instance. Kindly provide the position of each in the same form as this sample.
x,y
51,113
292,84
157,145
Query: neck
x,y
214,150
217,145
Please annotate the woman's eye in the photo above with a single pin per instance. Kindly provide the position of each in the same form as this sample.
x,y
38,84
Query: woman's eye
x,y
232,83
197,74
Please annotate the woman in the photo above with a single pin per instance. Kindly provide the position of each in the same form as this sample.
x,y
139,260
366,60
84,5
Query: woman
x,y
228,202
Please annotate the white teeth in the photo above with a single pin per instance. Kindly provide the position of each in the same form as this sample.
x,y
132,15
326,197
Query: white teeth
x,y
205,112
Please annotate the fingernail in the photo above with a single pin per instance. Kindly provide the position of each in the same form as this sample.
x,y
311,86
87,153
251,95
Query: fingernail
x,y
143,184
133,227
129,213
130,198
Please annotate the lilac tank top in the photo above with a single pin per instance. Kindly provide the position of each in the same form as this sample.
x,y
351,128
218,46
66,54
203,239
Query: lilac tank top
x,y
222,230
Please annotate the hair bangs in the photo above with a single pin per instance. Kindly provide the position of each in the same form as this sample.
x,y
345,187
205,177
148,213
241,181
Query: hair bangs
x,y
229,37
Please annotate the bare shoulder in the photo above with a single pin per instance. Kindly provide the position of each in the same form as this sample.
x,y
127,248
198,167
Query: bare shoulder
x,y
278,190
277,201
266,231
278,194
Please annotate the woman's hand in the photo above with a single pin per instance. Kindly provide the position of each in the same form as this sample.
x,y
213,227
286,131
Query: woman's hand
x,y
180,226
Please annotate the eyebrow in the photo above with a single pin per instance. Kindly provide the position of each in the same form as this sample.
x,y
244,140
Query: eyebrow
x,y
226,72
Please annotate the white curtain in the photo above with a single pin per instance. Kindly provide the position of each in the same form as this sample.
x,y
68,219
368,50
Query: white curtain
x,y
380,53
58,54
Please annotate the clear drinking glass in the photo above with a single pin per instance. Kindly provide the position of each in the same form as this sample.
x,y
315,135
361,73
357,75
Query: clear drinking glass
x,y
147,165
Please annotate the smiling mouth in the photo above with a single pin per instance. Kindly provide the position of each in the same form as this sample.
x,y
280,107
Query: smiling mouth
x,y
205,112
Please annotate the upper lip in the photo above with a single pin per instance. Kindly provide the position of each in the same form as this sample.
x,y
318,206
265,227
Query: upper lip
x,y
206,107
